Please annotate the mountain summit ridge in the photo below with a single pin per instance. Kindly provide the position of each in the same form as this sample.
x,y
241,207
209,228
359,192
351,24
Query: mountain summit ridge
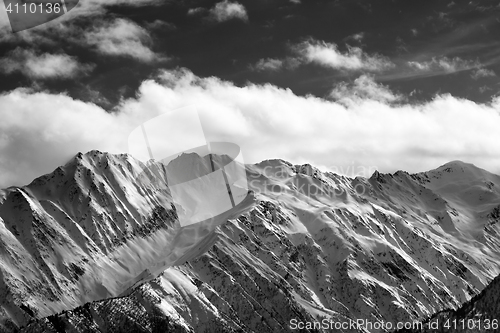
x,y
392,247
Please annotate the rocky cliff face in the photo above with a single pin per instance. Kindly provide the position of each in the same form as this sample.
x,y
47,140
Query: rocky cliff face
x,y
479,314
304,248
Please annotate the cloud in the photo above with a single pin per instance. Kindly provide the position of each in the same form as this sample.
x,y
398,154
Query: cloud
x,y
268,64
226,10
273,64
93,7
484,89
356,37
196,11
328,55
40,131
445,64
421,66
364,88
43,66
122,37
482,72
116,37
436,66
160,25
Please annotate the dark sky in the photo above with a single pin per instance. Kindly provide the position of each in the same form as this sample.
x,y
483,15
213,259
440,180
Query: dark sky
x,y
464,35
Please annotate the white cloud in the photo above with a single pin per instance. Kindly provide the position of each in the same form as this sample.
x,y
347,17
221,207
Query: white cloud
x,y
196,11
445,64
123,38
227,10
40,131
364,88
328,55
161,25
268,64
482,72
42,66
484,89
357,37
421,66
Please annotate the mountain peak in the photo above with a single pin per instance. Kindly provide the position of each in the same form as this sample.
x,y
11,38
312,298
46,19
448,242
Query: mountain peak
x,y
379,177
276,162
456,165
458,171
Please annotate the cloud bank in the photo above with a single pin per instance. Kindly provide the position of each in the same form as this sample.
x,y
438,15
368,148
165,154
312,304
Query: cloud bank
x,y
40,131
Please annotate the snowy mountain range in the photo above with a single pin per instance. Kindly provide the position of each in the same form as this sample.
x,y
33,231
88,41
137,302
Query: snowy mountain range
x,y
96,247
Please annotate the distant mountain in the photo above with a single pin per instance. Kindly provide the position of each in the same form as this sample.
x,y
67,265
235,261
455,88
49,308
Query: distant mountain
x,y
305,246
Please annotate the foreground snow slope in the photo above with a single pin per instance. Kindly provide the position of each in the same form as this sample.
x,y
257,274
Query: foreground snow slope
x,y
304,246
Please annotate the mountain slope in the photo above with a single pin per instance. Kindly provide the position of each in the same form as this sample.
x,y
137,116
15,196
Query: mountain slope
x,y
306,246
479,314
90,230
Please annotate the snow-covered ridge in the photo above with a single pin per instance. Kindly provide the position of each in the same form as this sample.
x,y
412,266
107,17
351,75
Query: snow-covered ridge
x,y
90,230
306,245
